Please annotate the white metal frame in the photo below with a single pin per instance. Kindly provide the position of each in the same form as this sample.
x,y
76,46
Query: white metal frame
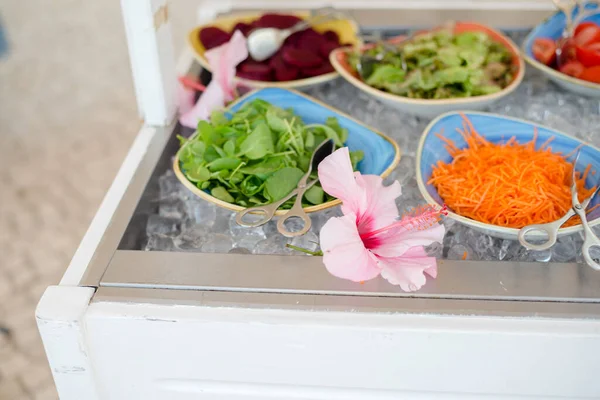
x,y
101,349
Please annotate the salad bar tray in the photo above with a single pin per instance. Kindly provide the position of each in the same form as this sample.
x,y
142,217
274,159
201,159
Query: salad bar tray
x,y
163,237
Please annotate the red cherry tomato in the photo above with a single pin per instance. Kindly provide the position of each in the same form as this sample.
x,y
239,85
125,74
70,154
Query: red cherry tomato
x,y
591,74
589,55
544,50
586,33
572,68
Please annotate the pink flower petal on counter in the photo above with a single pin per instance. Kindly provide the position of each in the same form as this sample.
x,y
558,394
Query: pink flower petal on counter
x,y
337,179
344,254
380,204
396,242
370,239
408,270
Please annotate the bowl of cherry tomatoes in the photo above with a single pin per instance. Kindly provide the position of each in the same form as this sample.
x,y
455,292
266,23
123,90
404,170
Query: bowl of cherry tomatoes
x,y
574,62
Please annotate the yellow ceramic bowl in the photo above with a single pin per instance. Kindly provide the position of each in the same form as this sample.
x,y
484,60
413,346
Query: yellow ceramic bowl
x,y
347,31
378,148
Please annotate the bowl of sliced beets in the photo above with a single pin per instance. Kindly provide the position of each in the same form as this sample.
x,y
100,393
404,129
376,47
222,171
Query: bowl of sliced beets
x,y
577,69
464,66
303,60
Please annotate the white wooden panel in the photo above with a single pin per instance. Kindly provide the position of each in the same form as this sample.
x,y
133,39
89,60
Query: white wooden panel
x,y
59,319
184,352
152,60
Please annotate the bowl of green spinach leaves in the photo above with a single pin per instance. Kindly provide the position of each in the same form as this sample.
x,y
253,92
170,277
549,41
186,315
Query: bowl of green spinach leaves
x,y
468,66
255,151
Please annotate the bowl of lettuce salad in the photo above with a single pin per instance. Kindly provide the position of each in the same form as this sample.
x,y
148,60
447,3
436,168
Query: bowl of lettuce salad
x,y
468,66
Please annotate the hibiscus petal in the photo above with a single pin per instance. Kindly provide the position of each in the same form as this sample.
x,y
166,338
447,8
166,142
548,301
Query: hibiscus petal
x,y
337,179
380,205
395,243
344,254
224,59
408,271
185,98
213,98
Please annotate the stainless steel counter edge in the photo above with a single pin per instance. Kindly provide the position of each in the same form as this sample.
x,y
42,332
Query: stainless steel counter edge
x,y
120,219
307,275
309,302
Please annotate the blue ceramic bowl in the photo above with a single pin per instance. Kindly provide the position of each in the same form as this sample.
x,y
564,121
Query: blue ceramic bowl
x,y
496,128
381,154
553,28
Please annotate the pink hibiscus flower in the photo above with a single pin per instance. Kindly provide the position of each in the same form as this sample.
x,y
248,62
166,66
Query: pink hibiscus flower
x,y
223,61
370,239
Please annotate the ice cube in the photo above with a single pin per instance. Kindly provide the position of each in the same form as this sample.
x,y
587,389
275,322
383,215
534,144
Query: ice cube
x,y
201,211
159,225
403,172
460,252
248,241
192,236
504,246
217,243
435,250
308,241
273,245
222,220
239,250
236,230
564,250
159,243
484,246
168,185
171,208
542,255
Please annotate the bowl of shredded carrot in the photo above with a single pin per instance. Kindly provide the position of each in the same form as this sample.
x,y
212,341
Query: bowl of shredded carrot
x,y
498,174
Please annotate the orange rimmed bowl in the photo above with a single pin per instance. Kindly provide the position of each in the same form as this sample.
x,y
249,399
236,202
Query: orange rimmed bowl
x,y
433,107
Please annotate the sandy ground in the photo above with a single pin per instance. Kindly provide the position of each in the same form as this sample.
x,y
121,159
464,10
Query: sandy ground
x,y
67,118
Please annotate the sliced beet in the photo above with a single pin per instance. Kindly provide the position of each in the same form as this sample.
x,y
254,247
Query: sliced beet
x,y
280,21
253,67
242,27
301,58
213,37
276,61
255,76
286,74
293,40
332,36
320,70
311,41
283,72
326,48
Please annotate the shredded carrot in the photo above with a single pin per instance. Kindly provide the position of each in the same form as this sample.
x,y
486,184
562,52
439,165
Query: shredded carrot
x,y
508,184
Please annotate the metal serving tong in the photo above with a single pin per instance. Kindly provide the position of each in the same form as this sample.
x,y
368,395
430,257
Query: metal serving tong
x,y
267,212
551,228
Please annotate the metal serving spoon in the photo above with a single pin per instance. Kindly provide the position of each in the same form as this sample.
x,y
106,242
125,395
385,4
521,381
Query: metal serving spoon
x,y
264,42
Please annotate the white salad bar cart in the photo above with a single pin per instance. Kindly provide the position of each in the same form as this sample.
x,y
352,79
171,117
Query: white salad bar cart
x,y
138,320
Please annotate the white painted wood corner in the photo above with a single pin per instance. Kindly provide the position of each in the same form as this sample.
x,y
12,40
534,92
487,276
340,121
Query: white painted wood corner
x,y
59,317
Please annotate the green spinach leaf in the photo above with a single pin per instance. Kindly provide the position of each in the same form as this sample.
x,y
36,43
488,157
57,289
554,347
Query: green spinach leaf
x,y
282,182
